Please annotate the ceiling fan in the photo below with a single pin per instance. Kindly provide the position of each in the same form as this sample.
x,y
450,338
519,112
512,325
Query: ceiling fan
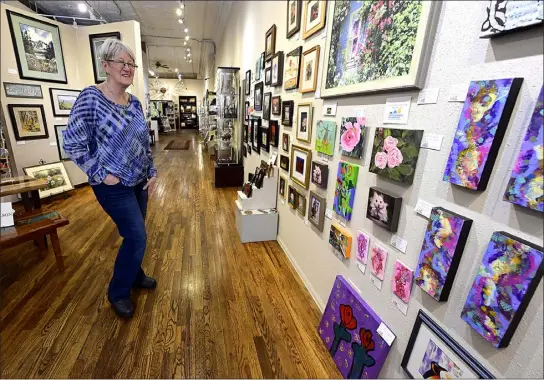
x,y
159,65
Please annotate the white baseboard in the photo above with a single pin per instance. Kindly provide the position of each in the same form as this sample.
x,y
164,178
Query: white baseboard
x,y
307,283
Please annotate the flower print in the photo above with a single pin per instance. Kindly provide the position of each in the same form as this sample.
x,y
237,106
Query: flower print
x,y
346,315
351,137
390,143
381,160
394,158
366,339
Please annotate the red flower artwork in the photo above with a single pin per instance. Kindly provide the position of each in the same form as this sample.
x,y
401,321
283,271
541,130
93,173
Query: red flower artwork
x,y
346,314
366,339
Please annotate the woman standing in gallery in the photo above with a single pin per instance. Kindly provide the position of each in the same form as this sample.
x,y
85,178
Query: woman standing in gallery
x,y
107,138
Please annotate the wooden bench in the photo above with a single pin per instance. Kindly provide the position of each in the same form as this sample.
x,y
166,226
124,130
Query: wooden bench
x,y
35,225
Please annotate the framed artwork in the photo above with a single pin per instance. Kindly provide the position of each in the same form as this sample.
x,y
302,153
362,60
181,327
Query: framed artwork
x,y
504,17
274,133
60,141
247,111
352,136
292,197
255,137
63,100
249,149
402,281
441,252
270,43
329,109
300,165
378,258
266,105
285,142
277,69
28,121
258,68
308,74
282,187
263,61
363,244
525,186
293,17
480,131
20,90
248,83
340,240
96,41
362,47
56,176
301,204
268,75
291,73
38,49
258,97
395,153
244,150
344,193
320,174
383,209
503,287
284,162
304,122
315,13
325,136
265,138
349,330
276,105
249,131
433,354
317,210
287,109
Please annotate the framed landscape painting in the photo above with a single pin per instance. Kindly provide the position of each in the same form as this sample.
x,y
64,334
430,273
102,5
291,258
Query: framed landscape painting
x,y
38,49
96,41
325,137
352,136
340,239
56,176
28,121
63,100
301,159
293,17
376,46
344,193
292,69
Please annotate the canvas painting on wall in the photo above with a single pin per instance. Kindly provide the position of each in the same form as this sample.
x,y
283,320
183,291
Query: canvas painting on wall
x,y
363,244
395,153
525,187
378,258
374,46
383,208
480,131
292,69
441,252
28,121
402,281
349,329
340,239
320,174
344,193
506,280
325,137
56,176
507,16
352,136
96,41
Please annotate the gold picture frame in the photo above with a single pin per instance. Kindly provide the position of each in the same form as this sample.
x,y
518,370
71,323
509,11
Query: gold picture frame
x,y
310,27
306,68
304,121
301,163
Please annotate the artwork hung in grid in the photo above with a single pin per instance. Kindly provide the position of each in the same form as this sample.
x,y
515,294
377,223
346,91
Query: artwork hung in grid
x,y
349,330
378,258
340,239
481,128
317,210
266,105
285,141
314,15
287,109
274,132
301,159
301,204
525,187
276,105
59,129
258,97
325,137
304,122
320,174
309,68
284,162
395,153
363,244
291,72
352,136
277,69
282,187
504,285
344,193
440,255
293,17
28,121
292,197
402,281
270,43
265,138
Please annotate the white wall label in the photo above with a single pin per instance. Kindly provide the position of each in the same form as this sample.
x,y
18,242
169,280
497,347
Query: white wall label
x,y
396,110
328,213
386,334
12,71
52,143
428,96
342,223
317,93
400,305
377,282
21,142
432,141
424,208
324,157
283,202
361,267
58,118
399,243
306,222
354,286
458,92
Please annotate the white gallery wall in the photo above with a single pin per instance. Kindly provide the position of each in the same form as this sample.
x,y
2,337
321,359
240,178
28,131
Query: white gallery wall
x,y
458,56
176,88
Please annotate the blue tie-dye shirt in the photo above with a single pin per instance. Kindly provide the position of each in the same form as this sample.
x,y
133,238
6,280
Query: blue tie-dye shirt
x,y
106,138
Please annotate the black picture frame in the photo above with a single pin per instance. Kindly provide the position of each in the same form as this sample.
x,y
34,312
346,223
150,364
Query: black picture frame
x,y
258,95
297,53
94,53
322,179
272,34
282,186
296,28
249,149
264,135
278,59
267,103
424,319
246,116
284,162
58,135
276,105
285,141
268,75
248,83
13,119
274,133
255,136
52,96
394,204
287,109
24,85
246,133
262,61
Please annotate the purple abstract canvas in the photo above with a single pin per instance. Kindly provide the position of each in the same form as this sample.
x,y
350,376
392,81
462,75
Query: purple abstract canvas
x,y
526,187
349,330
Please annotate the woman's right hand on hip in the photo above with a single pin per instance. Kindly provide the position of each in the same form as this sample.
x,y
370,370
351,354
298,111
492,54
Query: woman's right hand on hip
x,y
111,180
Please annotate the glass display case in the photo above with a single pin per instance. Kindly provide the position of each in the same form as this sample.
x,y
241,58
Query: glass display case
x,y
227,89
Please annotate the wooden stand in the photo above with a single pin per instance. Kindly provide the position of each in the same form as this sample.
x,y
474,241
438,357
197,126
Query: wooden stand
x,y
228,175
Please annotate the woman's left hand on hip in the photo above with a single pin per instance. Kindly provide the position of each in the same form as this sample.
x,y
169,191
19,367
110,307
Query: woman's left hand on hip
x,y
150,183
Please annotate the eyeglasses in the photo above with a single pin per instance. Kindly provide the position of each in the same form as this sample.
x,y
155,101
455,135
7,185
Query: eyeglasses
x,y
130,65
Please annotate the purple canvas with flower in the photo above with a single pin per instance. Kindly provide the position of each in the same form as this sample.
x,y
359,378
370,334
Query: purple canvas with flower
x,y
395,153
349,330
352,136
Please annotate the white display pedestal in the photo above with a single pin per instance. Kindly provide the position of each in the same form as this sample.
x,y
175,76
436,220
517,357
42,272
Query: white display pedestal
x,y
263,198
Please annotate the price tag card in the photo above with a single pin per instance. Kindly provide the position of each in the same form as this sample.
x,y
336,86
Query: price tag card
x,y
324,157
342,222
458,92
386,334
399,243
428,96
52,143
21,142
328,213
12,71
317,94
377,282
400,305
396,110
361,267
432,141
58,118
424,208
283,202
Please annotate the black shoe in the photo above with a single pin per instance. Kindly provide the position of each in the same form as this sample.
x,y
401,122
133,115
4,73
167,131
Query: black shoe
x,y
145,282
124,308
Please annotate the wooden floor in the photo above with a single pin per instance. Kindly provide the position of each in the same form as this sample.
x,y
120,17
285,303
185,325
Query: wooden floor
x,y
221,309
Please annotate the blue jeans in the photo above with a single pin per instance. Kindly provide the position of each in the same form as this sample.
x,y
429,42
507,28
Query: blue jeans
x,y
127,207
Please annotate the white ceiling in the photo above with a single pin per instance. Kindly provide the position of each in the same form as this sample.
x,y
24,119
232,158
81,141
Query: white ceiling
x,y
160,29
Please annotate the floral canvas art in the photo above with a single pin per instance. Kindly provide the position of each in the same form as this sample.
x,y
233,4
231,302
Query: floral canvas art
x,y
378,257
526,187
506,280
352,136
441,252
395,153
344,193
402,281
363,243
481,128
348,329
325,137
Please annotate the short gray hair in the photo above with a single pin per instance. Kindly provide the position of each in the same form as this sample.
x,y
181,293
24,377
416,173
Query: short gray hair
x,y
113,47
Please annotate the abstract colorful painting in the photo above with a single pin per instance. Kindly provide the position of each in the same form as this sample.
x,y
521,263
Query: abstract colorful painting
x,y
344,193
441,252
378,257
395,153
526,187
340,240
349,330
402,281
325,137
436,363
508,276
363,243
481,128
352,136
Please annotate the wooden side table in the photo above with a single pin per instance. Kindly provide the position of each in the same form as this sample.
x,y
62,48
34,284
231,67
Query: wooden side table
x,y
28,187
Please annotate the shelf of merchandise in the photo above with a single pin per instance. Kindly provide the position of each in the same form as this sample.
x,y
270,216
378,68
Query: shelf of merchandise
x,y
188,112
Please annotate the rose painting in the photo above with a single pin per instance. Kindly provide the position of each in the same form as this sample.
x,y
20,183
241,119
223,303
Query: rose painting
x,y
402,281
352,135
378,257
344,193
363,243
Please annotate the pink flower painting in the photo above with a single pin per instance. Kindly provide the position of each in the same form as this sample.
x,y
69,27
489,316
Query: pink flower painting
x,y
380,160
352,136
363,242
378,257
402,281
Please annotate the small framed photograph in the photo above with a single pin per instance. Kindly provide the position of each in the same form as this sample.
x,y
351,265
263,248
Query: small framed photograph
x,y
293,17
316,214
277,69
287,109
308,74
320,174
315,13
60,140
301,204
274,133
96,41
292,197
266,105
258,68
255,138
268,75
284,162
291,73
62,101
383,209
285,142
304,122
265,140
28,121
248,82
56,176
270,43
276,105
258,100
281,190
247,111
301,159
